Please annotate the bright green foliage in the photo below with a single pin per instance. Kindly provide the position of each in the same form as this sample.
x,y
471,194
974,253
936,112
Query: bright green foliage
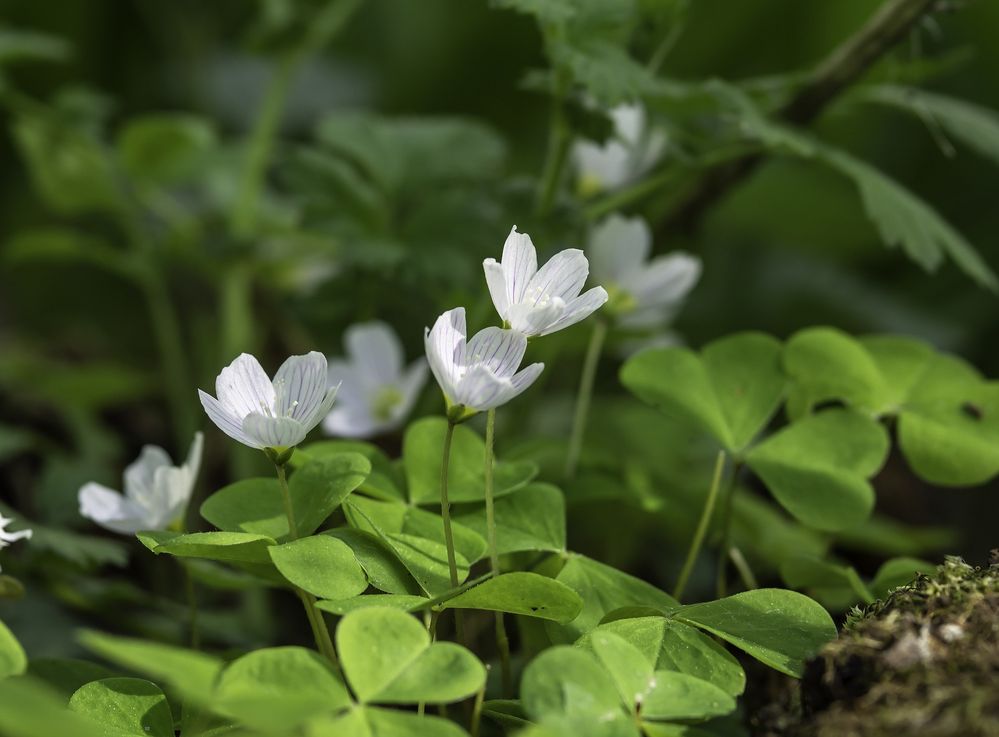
x,y
818,468
277,688
731,390
387,658
385,480
531,518
671,645
317,489
381,565
190,673
29,709
370,721
603,589
523,593
402,602
66,675
948,416
777,627
322,565
125,707
839,586
233,547
12,658
422,452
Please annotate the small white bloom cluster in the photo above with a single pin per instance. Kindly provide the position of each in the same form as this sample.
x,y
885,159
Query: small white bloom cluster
x,y
6,538
156,492
632,150
482,373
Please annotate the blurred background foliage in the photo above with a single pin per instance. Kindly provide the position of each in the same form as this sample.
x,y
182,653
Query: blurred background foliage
x,y
184,181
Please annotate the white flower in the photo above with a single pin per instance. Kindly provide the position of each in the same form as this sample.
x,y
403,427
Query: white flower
x,y
377,392
537,301
631,152
263,414
6,538
645,294
482,374
156,492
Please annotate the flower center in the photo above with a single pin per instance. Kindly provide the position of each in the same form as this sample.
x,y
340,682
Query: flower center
x,y
386,400
619,301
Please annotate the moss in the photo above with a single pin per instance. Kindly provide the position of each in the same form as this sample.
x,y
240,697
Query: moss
x,y
923,661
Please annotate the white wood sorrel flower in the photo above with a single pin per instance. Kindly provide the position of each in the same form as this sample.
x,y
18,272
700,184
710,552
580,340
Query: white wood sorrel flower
x,y
6,538
537,301
481,374
644,294
632,150
275,414
156,492
377,391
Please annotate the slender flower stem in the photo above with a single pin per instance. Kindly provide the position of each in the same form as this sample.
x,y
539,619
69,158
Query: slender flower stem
x,y
559,139
452,563
724,546
702,528
502,640
589,375
192,608
477,710
742,566
324,643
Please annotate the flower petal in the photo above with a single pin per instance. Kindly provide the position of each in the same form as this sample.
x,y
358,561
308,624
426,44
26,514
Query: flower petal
x,y
375,351
523,379
243,387
500,351
273,432
300,386
497,285
481,389
111,510
225,421
520,262
666,280
322,410
410,388
563,276
445,346
579,309
350,422
618,248
533,320
140,475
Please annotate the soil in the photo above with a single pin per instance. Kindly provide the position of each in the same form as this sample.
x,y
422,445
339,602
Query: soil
x,y
923,662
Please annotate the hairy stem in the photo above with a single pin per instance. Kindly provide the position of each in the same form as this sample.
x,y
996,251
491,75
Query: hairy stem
x,y
452,563
724,545
587,379
702,528
324,643
502,640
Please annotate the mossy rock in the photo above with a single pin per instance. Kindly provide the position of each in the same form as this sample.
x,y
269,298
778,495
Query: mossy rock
x,y
923,661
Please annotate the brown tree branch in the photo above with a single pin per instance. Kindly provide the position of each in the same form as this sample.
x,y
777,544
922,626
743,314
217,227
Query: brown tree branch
x,y
841,68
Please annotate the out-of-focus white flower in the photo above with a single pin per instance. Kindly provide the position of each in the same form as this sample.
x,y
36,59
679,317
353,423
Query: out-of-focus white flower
x,y
156,492
537,301
481,374
645,294
263,414
6,538
376,391
631,152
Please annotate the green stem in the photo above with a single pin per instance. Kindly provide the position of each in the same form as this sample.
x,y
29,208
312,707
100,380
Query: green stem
x,y
452,563
585,395
702,528
192,608
742,566
244,213
629,195
502,640
324,643
477,710
559,139
724,547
